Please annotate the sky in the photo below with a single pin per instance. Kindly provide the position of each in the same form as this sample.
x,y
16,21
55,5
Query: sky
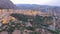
x,y
40,2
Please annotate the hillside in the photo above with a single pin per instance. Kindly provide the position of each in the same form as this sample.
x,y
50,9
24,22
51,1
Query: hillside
x,y
25,20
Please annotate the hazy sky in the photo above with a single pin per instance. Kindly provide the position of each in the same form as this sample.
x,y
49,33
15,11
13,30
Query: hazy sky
x,y
41,2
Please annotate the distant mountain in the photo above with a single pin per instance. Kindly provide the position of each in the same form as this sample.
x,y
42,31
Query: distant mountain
x,y
36,7
30,7
43,8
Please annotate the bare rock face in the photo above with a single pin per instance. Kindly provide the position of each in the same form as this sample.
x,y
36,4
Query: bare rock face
x,y
7,4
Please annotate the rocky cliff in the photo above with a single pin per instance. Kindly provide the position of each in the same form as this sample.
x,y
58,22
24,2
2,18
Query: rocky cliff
x,y
6,4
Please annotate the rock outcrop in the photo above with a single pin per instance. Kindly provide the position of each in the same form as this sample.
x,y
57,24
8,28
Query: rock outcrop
x,y
7,4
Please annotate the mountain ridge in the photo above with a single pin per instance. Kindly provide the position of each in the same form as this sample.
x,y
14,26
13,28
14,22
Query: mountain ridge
x,y
35,7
